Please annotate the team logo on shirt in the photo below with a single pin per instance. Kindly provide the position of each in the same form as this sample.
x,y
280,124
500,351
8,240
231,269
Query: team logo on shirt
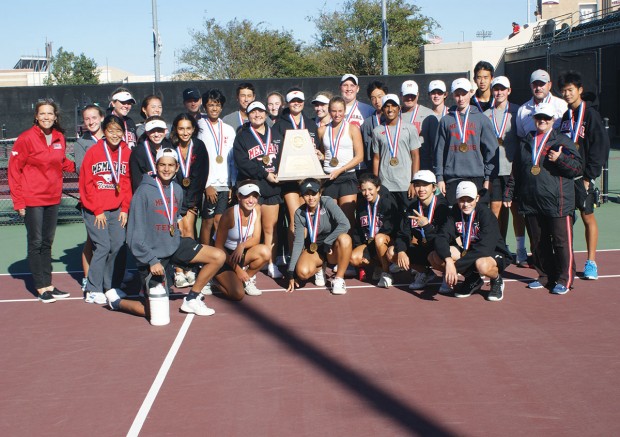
x,y
364,222
475,236
57,146
104,167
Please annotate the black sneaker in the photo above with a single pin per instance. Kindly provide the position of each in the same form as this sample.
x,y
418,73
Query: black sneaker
x,y
497,290
47,297
59,294
470,285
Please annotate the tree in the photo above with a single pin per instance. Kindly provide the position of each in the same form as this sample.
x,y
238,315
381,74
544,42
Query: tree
x,y
240,49
350,38
67,68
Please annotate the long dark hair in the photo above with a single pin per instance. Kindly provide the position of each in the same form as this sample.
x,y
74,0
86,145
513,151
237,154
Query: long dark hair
x,y
183,116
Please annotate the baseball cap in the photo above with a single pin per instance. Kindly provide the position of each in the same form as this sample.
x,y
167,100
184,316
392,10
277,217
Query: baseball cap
x,y
309,185
255,105
540,75
248,189
320,99
425,176
466,188
191,94
124,96
295,95
409,87
154,124
501,80
437,85
390,98
461,84
349,76
166,152
544,109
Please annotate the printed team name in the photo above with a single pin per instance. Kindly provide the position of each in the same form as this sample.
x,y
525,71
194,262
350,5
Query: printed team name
x,y
471,127
566,129
475,236
364,221
104,167
256,151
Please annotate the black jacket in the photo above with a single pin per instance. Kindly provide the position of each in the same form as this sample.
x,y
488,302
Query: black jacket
x,y
139,163
409,227
552,192
387,215
198,172
283,123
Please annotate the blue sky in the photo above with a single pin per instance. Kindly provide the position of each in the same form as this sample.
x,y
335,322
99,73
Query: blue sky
x,y
119,33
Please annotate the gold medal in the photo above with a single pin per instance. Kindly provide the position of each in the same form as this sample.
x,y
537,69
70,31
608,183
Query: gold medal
x,y
370,241
265,159
118,188
500,141
424,241
463,253
333,162
313,247
394,161
463,147
171,229
186,182
535,170
219,159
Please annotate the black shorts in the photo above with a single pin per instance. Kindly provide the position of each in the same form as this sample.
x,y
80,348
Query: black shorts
x,y
502,262
270,200
344,185
451,187
227,267
210,210
584,200
186,252
289,187
497,186
418,255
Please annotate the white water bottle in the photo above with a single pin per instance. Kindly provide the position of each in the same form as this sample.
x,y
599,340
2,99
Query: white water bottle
x,y
159,305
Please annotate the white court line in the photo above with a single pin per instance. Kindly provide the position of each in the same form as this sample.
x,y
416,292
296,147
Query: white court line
x,y
138,422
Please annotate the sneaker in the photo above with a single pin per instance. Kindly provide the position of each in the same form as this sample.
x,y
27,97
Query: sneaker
x,y
444,288
534,285
497,290
361,275
559,289
385,281
395,268
469,286
96,297
376,274
114,296
250,287
319,278
180,281
421,279
84,283
196,306
338,286
206,290
47,297
59,294
190,277
590,271
273,271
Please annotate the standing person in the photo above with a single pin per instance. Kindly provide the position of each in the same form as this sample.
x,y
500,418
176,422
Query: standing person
x,y
438,95
355,112
483,76
246,94
582,123
256,155
239,236
192,101
375,92
320,235
154,240
344,150
120,105
275,105
151,105
35,172
396,155
415,114
105,193
540,84
543,171
466,146
142,159
92,116
218,138
482,250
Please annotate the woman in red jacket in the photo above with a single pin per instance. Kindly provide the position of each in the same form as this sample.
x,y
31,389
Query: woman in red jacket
x,y
105,192
36,165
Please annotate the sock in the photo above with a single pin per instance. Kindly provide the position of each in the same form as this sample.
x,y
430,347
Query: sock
x,y
192,295
520,243
116,304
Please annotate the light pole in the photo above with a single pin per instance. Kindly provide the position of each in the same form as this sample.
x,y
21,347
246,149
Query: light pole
x,y
384,37
156,40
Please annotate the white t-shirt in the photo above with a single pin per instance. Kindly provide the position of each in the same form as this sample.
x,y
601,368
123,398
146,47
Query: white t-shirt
x,y
224,135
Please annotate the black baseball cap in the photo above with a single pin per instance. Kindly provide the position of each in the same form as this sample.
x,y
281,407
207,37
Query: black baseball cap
x,y
191,94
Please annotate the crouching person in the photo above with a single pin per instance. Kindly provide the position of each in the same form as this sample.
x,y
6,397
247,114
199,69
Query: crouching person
x,y
483,251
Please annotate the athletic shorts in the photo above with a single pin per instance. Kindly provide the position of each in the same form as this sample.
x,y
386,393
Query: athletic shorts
x,y
344,185
226,267
584,200
210,210
186,252
289,187
418,255
497,186
270,200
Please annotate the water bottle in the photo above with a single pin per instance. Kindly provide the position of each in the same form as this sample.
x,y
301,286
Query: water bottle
x,y
159,305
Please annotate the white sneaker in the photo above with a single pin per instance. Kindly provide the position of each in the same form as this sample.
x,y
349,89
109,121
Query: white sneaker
x,y
395,268
95,297
250,287
385,281
114,295
338,286
319,278
444,288
180,281
196,306
206,290
421,279
273,271
190,277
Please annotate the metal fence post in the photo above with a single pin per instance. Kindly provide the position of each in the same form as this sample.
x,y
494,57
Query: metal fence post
x,y
605,194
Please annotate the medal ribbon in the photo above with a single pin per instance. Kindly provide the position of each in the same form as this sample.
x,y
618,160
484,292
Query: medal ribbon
x,y
116,173
217,138
351,112
372,218
334,145
537,150
477,102
445,111
431,212
188,161
301,122
264,147
243,237
149,156
462,127
240,118
574,127
313,226
393,145
469,226
499,131
415,114
169,209
378,118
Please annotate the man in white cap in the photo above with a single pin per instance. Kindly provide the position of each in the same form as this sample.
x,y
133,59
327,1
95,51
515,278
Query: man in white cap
x,y
415,114
465,146
395,146
437,94
540,84
481,251
355,112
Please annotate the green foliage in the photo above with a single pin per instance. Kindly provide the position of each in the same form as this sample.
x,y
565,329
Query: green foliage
x,y
67,68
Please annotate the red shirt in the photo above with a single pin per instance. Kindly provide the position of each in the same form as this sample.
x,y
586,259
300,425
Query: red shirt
x,y
35,169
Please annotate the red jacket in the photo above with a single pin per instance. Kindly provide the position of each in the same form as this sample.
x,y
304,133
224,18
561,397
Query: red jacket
x,y
35,169
97,188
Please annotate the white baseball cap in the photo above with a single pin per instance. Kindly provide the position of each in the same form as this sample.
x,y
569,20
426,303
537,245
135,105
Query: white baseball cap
x,y
409,87
425,176
466,188
295,95
248,189
255,105
163,152
154,124
545,109
501,80
349,76
390,98
320,99
437,85
124,96
461,84
540,75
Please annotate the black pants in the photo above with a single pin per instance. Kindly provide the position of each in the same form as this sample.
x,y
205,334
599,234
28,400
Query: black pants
x,y
551,240
41,228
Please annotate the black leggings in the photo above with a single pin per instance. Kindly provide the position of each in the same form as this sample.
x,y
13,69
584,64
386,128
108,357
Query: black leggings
x,y
41,228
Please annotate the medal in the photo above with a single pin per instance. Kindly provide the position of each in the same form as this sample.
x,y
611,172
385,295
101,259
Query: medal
x,y
537,152
313,227
186,164
115,172
313,247
394,161
333,143
370,241
265,159
171,228
424,241
333,162
463,253
467,228
393,142
500,141
462,128
118,188
169,209
576,126
535,170
263,146
219,159
500,130
463,147
186,182
217,139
